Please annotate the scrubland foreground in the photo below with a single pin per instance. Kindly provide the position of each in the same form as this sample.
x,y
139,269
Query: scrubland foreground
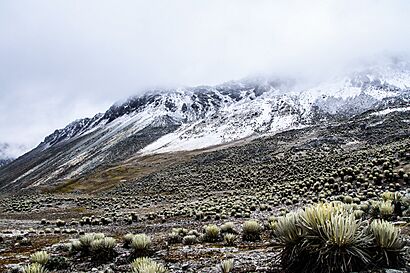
x,y
320,199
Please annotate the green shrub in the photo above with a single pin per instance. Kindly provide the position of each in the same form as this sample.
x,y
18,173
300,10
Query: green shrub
x,y
40,257
251,230
174,238
146,265
177,235
388,196
348,199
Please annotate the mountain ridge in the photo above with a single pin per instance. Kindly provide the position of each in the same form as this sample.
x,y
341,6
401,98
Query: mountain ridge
x,y
183,119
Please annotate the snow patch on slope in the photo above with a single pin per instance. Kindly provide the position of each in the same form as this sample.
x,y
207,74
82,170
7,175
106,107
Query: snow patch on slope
x,y
390,110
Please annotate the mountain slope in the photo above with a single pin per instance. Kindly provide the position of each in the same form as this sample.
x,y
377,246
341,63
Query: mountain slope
x,y
5,161
194,118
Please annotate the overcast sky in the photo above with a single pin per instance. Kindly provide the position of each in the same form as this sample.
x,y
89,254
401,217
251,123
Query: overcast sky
x,y
63,60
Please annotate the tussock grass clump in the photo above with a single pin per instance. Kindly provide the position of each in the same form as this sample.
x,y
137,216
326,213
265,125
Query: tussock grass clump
x,y
147,265
40,257
34,268
389,244
251,230
226,266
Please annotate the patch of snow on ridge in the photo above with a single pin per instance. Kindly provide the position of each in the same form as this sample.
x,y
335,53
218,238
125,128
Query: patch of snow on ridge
x,y
390,110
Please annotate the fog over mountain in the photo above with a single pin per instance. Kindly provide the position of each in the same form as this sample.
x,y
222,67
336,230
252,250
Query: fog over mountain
x,y
65,60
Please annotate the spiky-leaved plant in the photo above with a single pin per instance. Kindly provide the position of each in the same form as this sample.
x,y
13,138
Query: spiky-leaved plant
x,y
103,248
128,239
230,239
343,244
212,233
388,242
34,268
226,266
251,230
147,265
40,257
84,243
322,238
141,244
386,209
287,230
289,234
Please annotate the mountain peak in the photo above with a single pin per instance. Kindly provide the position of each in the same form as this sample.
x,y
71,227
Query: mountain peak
x,y
191,118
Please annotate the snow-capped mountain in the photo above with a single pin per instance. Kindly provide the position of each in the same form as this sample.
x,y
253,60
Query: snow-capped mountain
x,y
194,118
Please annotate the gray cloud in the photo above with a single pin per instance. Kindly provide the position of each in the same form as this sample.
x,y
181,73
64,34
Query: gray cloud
x,y
62,60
